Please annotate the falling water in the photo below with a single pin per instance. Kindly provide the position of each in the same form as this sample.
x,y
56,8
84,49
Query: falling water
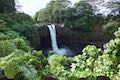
x,y
53,37
52,31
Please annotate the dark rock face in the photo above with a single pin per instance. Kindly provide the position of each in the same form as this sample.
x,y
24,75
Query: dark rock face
x,y
48,78
4,78
103,78
44,41
75,40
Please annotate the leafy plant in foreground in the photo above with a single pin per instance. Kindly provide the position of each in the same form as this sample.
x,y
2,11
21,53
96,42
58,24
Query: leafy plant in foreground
x,y
19,65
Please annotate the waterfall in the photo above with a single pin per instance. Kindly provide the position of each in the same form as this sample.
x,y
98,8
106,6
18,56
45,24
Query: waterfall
x,y
53,37
55,48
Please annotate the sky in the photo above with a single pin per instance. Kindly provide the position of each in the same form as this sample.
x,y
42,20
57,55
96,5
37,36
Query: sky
x,y
32,6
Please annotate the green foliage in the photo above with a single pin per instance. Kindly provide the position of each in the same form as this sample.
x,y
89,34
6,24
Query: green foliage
x,y
103,65
23,25
91,51
98,19
25,64
113,46
7,6
2,25
20,23
83,8
41,16
10,40
112,5
78,17
10,72
67,68
117,33
20,65
83,24
21,44
6,47
84,64
58,66
93,62
19,61
111,27
79,69
20,17
11,34
3,36
54,11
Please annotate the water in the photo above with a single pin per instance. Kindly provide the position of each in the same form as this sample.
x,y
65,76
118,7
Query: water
x,y
55,48
53,37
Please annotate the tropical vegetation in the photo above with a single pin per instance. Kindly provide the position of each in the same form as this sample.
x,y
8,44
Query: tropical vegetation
x,y
20,61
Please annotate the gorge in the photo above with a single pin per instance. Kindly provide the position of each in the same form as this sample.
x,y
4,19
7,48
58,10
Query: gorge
x,y
66,38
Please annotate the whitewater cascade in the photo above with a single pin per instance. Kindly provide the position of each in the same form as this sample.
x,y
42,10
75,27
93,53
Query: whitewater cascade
x,y
55,48
53,37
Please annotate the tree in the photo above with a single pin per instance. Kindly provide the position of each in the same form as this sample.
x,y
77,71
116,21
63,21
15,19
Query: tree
x,y
109,6
23,24
2,25
111,26
6,47
114,6
54,11
7,6
83,8
59,9
83,15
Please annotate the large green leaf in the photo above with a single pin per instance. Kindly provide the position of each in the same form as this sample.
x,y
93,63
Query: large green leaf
x,y
9,72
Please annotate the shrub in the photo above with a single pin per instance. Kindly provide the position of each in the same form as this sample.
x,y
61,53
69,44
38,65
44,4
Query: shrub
x,y
111,27
3,36
21,44
20,23
91,64
2,25
19,65
6,47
